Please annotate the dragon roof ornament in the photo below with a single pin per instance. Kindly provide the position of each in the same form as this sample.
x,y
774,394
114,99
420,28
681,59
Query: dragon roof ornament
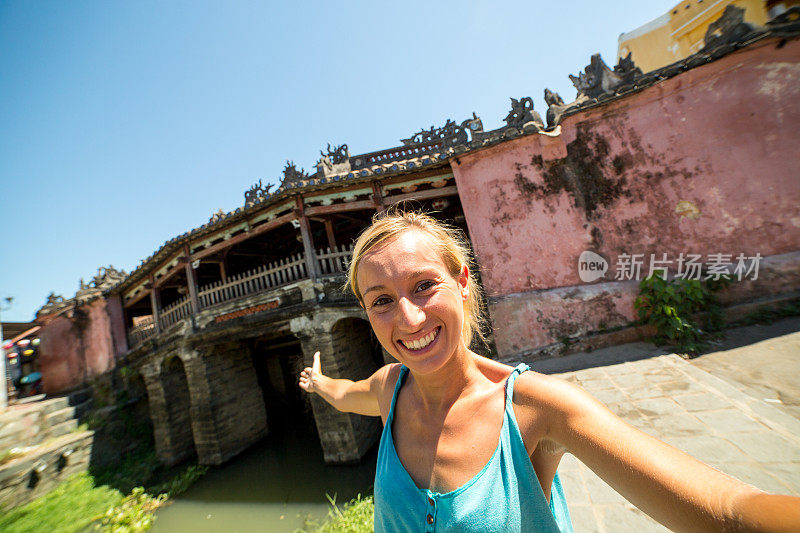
x,y
335,161
597,78
55,302
727,29
450,134
522,114
292,176
256,193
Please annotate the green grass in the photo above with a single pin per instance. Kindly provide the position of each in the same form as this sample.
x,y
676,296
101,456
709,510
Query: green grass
x,y
72,506
356,516
81,500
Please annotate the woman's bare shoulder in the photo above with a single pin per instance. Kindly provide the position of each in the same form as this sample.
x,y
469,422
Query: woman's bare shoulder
x,y
549,394
383,382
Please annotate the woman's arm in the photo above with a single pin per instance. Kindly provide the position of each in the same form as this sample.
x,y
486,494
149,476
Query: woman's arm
x,y
674,488
360,397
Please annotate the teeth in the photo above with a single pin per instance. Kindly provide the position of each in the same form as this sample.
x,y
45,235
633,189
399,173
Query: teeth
x,y
421,343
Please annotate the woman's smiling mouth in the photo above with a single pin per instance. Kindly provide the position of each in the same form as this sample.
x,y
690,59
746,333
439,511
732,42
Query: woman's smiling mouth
x,y
424,342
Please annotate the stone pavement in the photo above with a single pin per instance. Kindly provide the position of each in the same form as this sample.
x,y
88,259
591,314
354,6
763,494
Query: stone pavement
x,y
687,407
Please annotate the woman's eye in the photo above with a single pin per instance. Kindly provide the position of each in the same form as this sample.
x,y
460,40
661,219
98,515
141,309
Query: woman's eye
x,y
425,285
381,301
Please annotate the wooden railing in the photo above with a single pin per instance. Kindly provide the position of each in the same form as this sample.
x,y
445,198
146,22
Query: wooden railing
x,y
330,262
265,277
174,312
141,332
335,261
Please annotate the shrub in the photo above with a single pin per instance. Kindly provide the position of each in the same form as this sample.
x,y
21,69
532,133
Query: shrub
x,y
678,307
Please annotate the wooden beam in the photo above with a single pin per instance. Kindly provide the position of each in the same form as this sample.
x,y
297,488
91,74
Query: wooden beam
x,y
191,280
339,208
308,241
280,221
155,304
331,235
377,196
135,299
171,272
423,195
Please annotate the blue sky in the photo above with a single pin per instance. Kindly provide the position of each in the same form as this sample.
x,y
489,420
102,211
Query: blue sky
x,y
124,124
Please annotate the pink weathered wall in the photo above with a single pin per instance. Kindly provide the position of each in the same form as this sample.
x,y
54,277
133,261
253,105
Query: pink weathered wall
x,y
723,136
60,355
78,345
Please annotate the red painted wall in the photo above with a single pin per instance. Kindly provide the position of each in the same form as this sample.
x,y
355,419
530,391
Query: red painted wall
x,y
79,344
723,137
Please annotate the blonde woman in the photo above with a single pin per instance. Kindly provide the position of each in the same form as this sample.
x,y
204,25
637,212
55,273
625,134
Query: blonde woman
x,y
470,444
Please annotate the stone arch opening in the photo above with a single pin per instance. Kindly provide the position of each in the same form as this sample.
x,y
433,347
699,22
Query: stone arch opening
x,y
178,407
137,405
278,360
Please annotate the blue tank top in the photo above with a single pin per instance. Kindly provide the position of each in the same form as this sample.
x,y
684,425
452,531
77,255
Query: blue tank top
x,y
504,496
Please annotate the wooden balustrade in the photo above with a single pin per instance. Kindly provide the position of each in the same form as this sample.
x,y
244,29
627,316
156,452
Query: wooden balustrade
x,y
334,261
330,261
142,331
259,279
175,311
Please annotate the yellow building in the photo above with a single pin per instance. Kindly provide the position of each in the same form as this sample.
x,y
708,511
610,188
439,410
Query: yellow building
x,y
679,32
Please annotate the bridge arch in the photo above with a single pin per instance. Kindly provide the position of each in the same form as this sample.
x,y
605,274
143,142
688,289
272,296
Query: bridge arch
x,y
178,409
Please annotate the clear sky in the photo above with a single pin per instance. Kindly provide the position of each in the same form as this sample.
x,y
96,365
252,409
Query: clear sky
x,y
124,124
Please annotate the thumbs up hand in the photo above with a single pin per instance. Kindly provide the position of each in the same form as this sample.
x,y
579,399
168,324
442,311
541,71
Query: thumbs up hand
x,y
310,375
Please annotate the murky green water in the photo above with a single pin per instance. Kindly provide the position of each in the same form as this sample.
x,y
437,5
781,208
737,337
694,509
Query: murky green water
x,y
271,487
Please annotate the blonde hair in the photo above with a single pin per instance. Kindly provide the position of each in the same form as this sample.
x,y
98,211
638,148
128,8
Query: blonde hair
x,y
453,248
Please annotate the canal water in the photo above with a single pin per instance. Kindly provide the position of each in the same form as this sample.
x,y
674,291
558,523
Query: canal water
x,y
274,486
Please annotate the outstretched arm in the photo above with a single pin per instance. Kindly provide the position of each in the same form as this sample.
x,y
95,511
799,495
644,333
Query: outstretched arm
x,y
674,488
359,397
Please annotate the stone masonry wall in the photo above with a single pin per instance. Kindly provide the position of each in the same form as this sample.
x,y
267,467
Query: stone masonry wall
x,y
236,403
344,437
176,391
26,478
352,345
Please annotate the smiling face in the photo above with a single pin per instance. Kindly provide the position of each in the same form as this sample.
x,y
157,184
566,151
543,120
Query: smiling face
x,y
414,304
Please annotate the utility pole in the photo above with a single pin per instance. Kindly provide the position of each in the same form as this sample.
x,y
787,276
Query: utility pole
x,y
3,375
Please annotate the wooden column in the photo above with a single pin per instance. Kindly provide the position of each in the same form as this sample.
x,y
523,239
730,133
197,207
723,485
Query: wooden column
x,y
155,304
377,196
331,235
191,280
308,242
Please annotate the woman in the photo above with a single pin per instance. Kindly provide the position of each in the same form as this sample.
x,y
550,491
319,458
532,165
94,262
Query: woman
x,y
470,444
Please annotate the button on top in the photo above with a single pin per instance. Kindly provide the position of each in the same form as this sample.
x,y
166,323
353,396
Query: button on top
x,y
430,500
430,519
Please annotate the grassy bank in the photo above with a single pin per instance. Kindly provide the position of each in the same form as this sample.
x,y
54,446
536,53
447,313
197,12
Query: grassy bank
x,y
85,499
356,516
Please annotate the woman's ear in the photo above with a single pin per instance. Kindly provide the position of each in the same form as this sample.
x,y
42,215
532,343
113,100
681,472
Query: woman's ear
x,y
463,282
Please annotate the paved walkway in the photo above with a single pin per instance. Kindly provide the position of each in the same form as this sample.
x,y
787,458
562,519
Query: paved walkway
x,y
725,423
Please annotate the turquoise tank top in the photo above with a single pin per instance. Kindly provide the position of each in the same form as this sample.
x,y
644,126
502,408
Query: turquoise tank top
x,y
504,496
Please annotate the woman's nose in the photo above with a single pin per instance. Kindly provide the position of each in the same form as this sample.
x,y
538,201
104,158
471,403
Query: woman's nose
x,y
411,315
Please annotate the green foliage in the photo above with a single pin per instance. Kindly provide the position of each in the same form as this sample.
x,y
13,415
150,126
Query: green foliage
x,y
180,483
77,503
356,516
678,308
135,513
70,507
